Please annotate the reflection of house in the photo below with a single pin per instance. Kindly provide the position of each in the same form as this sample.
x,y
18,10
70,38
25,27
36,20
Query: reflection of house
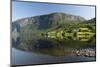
x,y
84,34
52,34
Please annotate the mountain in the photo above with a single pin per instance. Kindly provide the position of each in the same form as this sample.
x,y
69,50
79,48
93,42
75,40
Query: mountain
x,y
46,21
93,20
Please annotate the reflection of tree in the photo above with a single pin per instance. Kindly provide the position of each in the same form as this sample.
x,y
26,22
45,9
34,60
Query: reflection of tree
x,y
75,34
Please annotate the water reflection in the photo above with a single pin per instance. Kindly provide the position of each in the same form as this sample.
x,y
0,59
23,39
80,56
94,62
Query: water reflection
x,y
42,50
52,47
24,58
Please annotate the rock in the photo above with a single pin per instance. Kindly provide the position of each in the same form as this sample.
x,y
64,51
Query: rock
x,y
88,52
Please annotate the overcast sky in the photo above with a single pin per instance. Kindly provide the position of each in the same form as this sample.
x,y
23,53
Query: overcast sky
x,y
28,9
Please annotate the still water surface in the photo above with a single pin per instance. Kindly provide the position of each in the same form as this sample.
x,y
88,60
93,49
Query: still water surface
x,y
26,54
23,58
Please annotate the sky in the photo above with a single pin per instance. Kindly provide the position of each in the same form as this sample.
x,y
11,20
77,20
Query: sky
x,y
29,9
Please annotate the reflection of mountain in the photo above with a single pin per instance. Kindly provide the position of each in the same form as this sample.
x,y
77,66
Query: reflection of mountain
x,y
47,21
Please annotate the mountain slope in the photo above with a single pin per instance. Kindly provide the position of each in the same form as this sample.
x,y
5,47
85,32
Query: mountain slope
x,y
93,20
47,21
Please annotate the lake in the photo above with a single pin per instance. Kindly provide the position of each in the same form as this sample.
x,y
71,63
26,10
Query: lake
x,y
23,58
45,51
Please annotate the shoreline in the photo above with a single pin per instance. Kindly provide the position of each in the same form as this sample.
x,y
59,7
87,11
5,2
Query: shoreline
x,y
87,52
